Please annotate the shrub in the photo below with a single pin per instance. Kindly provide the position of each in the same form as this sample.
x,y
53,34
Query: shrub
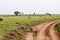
x,y
17,22
1,19
29,17
58,27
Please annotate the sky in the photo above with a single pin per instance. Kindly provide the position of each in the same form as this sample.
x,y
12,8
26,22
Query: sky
x,y
30,6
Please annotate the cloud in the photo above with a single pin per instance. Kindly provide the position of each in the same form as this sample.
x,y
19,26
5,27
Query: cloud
x,y
29,6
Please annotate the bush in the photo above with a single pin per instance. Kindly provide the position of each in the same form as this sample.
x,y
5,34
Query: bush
x,y
29,17
1,19
58,27
17,22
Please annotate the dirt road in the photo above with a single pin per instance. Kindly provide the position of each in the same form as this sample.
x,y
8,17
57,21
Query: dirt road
x,y
44,31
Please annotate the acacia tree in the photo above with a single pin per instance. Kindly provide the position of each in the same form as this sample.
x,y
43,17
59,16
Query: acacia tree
x,y
48,14
17,13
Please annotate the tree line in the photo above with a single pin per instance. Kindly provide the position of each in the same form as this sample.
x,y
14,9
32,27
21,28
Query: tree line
x,y
17,13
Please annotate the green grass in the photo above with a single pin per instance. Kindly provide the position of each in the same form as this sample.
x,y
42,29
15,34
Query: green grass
x,y
12,22
58,27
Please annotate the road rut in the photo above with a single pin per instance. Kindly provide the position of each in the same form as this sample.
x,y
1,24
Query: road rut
x,y
44,31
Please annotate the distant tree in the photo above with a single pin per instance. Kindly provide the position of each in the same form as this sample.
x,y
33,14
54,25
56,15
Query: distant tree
x,y
22,13
17,13
48,14
34,13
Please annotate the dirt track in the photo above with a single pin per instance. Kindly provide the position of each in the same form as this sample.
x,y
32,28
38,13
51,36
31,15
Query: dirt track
x,y
44,31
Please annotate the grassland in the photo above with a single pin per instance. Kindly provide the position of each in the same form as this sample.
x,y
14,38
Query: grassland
x,y
12,22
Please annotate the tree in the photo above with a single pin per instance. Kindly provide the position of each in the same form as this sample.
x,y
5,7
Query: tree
x,y
48,14
22,13
17,13
34,13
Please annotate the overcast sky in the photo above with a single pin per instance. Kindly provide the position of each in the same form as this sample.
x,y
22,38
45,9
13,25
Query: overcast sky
x,y
29,6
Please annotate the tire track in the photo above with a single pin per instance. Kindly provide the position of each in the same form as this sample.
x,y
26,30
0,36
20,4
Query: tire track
x,y
54,33
45,31
40,32
31,35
